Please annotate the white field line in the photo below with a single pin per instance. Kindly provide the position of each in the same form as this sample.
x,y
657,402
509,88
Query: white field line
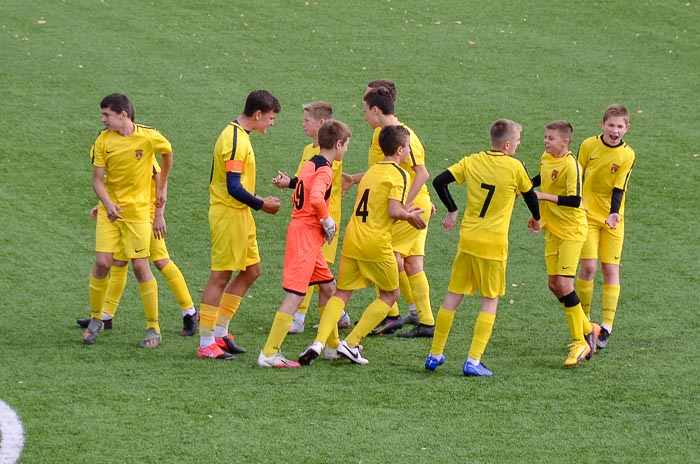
x,y
11,434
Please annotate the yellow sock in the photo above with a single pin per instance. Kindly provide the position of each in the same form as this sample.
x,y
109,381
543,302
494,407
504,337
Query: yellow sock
x,y
176,282
117,282
421,298
207,319
228,308
443,325
329,320
371,317
278,331
584,290
406,288
574,317
611,294
482,334
304,306
149,297
97,287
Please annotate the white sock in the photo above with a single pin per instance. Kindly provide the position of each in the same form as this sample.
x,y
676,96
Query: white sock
x,y
205,341
106,316
300,318
473,362
412,309
220,331
189,311
602,326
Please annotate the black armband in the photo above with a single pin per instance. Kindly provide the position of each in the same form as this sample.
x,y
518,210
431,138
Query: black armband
x,y
616,200
532,203
536,181
440,184
293,182
573,201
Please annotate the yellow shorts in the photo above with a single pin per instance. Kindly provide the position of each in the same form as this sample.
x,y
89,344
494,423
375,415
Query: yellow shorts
x,y
158,250
234,244
471,273
561,256
354,274
132,239
605,240
406,239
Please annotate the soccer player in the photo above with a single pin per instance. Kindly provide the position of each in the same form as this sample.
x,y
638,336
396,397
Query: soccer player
x,y
606,162
564,222
161,259
367,256
123,156
311,225
408,243
315,114
234,246
494,178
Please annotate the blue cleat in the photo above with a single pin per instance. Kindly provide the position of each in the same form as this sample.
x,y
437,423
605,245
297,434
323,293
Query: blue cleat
x,y
432,362
476,370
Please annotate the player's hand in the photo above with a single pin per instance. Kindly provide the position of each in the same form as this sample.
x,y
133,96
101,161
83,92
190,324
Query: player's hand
x,y
270,205
93,212
159,227
414,217
433,209
613,220
282,180
347,182
161,197
113,212
534,225
450,220
329,228
539,194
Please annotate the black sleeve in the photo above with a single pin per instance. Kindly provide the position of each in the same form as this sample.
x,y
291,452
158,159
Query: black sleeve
x,y
616,200
533,205
571,200
440,183
536,181
293,182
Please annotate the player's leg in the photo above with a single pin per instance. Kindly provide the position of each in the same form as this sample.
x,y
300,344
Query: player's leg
x,y
107,242
421,295
589,267
271,355
299,320
208,313
611,242
176,281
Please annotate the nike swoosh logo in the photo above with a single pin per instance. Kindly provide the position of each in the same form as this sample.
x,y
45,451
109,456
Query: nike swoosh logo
x,y
109,151
588,158
566,267
139,251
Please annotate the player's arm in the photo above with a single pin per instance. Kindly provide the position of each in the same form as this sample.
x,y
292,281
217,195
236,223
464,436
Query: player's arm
x,y
441,185
98,185
166,164
159,226
533,205
351,179
234,171
412,215
421,177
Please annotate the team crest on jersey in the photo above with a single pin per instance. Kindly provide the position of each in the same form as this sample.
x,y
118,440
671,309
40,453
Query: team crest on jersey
x,y
139,154
555,174
614,168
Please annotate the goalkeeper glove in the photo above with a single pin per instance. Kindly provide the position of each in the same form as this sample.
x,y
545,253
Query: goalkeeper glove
x,y
328,228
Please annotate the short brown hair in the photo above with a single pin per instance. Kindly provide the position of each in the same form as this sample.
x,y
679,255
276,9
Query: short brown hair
x,y
503,130
616,110
332,131
261,100
565,129
319,110
381,98
384,82
393,137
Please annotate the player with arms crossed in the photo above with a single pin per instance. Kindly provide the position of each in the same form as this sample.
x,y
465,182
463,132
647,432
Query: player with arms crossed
x,y
304,260
606,161
234,245
494,179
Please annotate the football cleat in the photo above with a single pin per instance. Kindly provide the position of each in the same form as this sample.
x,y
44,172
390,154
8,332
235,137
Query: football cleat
x,y
388,326
344,321
276,360
213,352
476,370
603,338
432,362
310,353
93,329
107,323
419,331
577,351
412,319
592,339
228,344
189,324
354,353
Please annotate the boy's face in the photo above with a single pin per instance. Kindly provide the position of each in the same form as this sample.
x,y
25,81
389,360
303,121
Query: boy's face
x,y
311,125
510,146
404,150
554,143
371,115
614,129
112,120
264,120
342,149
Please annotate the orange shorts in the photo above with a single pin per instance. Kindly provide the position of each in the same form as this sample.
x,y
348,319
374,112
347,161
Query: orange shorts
x,y
304,263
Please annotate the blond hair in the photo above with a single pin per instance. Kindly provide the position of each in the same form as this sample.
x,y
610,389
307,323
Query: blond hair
x,y
504,130
319,110
616,110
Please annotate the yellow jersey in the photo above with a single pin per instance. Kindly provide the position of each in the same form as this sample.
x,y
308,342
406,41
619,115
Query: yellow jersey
x,y
232,148
562,176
